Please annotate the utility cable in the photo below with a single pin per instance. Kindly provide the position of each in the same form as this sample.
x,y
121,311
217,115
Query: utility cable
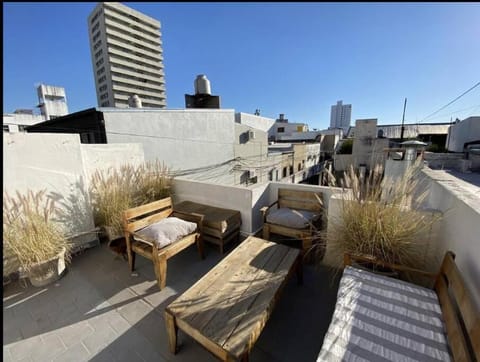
x,y
445,106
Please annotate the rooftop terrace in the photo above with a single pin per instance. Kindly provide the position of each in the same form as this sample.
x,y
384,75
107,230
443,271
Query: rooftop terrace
x,y
99,311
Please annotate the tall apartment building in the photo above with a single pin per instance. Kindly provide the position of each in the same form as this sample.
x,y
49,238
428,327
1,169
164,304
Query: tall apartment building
x,y
340,116
126,50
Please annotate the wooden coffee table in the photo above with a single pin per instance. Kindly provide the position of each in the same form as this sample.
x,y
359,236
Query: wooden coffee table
x,y
226,310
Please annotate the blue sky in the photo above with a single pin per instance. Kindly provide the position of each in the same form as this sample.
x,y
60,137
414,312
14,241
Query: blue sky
x,y
292,58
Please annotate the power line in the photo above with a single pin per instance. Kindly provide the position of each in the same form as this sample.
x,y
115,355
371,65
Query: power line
x,y
457,111
445,106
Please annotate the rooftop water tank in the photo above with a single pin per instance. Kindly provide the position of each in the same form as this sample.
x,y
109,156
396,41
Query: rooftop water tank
x,y
202,84
134,101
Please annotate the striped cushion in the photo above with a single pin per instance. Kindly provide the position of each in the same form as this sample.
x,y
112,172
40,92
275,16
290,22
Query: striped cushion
x,y
378,318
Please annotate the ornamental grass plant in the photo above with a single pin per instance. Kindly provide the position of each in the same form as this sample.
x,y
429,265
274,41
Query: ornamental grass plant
x,y
382,218
115,190
30,233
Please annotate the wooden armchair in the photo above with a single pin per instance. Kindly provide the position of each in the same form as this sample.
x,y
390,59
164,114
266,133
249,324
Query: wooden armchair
x,y
298,215
137,218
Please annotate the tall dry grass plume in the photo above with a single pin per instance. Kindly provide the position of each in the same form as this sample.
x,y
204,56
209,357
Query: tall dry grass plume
x,y
117,189
382,218
30,233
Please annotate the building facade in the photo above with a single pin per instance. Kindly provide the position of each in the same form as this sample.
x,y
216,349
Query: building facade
x,y
52,101
127,60
340,116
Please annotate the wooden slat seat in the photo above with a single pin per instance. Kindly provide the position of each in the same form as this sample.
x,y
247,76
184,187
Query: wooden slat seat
x,y
220,225
139,217
226,310
295,200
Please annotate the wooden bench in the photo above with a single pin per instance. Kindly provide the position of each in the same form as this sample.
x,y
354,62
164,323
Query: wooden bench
x,y
226,310
414,314
295,200
139,217
220,226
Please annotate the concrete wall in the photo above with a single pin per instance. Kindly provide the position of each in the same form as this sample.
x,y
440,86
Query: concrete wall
x,y
460,226
365,134
248,201
229,197
102,157
13,120
342,162
262,123
183,139
444,160
288,129
37,161
312,151
395,169
460,133
60,164
327,192
253,153
367,148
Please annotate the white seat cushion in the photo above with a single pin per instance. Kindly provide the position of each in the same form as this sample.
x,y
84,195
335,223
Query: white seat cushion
x,y
165,231
297,219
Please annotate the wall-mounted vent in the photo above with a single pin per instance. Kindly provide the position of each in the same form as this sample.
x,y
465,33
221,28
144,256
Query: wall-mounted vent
x,y
251,135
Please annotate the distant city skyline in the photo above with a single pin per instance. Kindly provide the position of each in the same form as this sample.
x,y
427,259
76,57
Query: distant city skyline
x,y
290,58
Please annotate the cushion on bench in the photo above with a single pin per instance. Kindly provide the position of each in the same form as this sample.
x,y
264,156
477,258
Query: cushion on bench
x,y
165,231
378,318
297,219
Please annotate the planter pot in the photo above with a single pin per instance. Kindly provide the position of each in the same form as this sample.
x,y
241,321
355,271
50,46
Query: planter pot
x,y
49,271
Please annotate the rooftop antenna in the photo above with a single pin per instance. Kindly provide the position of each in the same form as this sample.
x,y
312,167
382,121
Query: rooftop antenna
x,y
403,120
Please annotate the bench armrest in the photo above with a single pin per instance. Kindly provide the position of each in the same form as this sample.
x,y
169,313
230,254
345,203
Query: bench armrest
x,y
348,258
264,210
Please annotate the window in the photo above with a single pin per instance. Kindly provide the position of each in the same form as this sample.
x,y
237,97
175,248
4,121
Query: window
x,y
101,70
284,172
102,79
100,62
291,170
103,88
95,28
96,36
97,45
95,17
105,104
281,129
104,96
299,167
97,54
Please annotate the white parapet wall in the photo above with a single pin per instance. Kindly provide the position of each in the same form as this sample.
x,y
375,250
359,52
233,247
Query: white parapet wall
x,y
459,229
51,162
61,165
227,197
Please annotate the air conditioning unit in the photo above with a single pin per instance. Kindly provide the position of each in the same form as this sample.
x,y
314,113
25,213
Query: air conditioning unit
x,y
251,135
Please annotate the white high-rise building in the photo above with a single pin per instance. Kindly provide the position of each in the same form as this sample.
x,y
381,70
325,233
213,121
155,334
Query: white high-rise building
x,y
340,116
126,50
